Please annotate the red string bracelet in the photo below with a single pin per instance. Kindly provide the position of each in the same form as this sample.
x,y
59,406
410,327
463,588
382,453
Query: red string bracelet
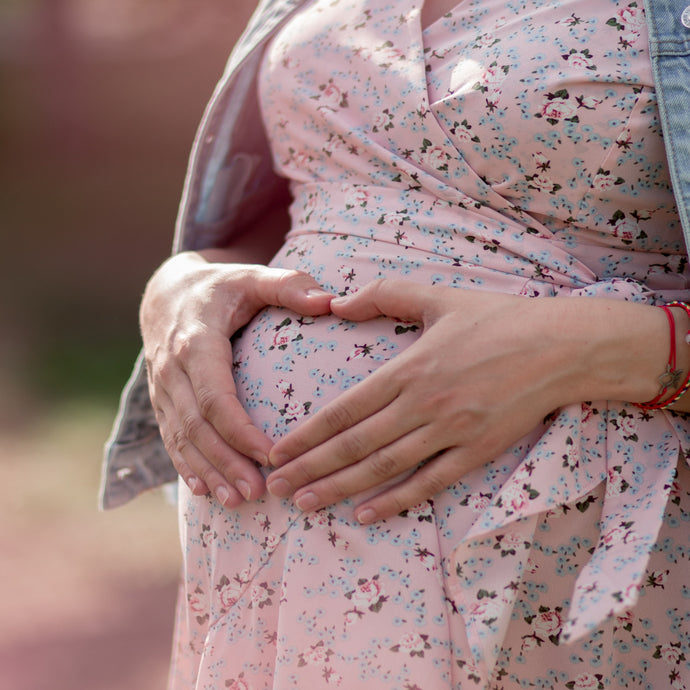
x,y
671,377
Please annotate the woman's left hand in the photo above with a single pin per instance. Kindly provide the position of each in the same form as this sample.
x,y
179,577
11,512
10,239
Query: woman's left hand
x,y
486,370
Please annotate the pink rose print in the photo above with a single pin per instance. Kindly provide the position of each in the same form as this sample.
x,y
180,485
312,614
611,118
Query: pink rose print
x,y
547,624
486,40
332,678
604,181
540,182
286,332
368,594
316,655
238,684
631,16
260,595
352,617
285,388
626,229
335,144
292,411
393,218
262,519
462,132
492,80
356,196
529,643
387,54
580,59
229,594
413,644
422,511
515,497
478,503
629,22
271,541
559,108
331,97
299,159
486,609
615,484
320,519
435,157
585,681
197,604
670,654
383,121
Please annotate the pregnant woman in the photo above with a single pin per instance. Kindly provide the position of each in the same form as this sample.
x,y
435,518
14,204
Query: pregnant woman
x,y
455,455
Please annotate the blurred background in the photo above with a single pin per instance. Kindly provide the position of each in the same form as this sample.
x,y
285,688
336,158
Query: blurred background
x,y
99,101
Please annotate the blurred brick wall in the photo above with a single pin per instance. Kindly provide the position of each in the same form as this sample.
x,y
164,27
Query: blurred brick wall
x,y
96,124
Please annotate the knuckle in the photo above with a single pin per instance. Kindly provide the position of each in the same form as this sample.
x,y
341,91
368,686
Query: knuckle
x,y
352,447
432,483
179,440
208,474
396,505
337,417
162,370
333,490
192,424
209,402
384,464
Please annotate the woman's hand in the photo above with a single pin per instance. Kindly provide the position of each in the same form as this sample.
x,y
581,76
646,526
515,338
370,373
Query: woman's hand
x,y
190,309
486,370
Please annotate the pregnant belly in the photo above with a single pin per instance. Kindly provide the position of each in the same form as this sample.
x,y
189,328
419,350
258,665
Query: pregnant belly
x,y
287,366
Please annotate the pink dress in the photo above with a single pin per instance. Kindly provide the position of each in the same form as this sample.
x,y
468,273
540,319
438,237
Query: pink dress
x,y
513,147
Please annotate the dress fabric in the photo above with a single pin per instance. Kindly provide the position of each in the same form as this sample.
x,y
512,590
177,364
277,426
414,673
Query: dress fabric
x,y
511,147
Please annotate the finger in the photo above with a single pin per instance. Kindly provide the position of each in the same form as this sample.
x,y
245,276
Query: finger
x,y
395,298
431,479
206,366
208,456
347,448
164,412
346,411
387,464
294,290
226,494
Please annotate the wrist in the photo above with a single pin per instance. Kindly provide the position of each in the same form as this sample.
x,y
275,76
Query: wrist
x,y
614,350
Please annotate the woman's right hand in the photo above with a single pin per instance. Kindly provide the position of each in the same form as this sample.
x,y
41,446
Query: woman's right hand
x,y
191,307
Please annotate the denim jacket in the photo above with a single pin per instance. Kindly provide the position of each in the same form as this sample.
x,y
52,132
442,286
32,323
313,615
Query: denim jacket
x,y
230,178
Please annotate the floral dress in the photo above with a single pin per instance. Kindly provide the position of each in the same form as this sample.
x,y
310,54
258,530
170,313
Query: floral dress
x,y
511,147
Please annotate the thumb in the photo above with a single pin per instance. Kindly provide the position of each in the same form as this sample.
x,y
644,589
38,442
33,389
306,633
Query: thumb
x,y
295,290
398,299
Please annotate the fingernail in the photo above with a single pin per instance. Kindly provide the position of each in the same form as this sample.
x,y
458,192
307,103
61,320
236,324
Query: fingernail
x,y
339,300
307,501
317,292
222,494
278,459
366,516
279,487
261,458
193,484
244,488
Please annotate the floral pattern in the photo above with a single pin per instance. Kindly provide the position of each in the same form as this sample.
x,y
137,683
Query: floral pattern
x,y
513,147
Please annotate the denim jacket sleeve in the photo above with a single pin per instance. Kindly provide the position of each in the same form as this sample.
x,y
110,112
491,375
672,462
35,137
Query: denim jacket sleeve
x,y
668,23
230,172
229,181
